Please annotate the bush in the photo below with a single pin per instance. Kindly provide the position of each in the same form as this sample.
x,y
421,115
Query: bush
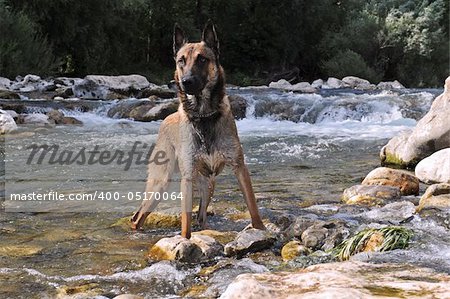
x,y
23,49
349,63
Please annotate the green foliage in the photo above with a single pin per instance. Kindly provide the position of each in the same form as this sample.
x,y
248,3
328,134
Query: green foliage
x,y
378,40
349,63
394,237
23,49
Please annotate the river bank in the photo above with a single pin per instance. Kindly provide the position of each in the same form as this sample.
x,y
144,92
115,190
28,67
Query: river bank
x,y
303,151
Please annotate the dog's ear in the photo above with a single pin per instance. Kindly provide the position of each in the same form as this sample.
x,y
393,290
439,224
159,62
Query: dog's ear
x,y
178,39
209,36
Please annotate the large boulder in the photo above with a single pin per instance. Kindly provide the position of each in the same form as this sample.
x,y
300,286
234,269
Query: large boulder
x,y
334,83
156,112
36,119
402,179
389,85
432,133
287,86
435,168
7,123
238,106
110,87
358,83
5,83
9,95
435,197
343,280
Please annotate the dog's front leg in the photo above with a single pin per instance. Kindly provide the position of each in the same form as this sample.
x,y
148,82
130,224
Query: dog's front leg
x,y
245,185
186,164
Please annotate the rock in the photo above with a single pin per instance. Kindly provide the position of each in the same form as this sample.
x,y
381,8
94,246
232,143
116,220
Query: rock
x,y
221,237
435,168
431,134
108,87
198,248
162,93
18,108
55,116
208,245
303,87
221,274
343,280
296,229
251,240
9,95
402,179
19,250
281,84
65,81
31,79
436,196
12,113
324,235
176,248
300,87
334,83
5,83
294,249
64,92
38,119
123,108
69,120
168,218
128,296
317,83
370,195
7,123
157,112
390,85
392,212
238,106
358,83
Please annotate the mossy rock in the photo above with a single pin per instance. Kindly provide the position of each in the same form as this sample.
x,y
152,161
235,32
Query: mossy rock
x,y
19,250
154,220
294,249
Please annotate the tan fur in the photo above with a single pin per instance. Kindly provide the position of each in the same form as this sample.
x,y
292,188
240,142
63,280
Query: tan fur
x,y
197,163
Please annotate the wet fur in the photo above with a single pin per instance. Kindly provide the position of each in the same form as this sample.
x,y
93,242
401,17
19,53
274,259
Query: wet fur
x,y
201,137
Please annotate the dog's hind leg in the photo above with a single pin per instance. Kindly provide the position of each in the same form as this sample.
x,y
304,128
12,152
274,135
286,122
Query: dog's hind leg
x,y
159,176
206,187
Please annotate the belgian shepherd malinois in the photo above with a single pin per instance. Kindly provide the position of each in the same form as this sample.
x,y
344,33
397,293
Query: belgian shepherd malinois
x,y
201,137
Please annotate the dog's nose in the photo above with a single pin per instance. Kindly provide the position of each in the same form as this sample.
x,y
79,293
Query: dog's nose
x,y
187,81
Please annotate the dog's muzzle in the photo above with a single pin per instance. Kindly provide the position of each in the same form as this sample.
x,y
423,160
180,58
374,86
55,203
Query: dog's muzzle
x,y
191,85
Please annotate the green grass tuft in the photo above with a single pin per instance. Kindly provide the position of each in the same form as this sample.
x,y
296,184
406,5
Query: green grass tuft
x,y
394,237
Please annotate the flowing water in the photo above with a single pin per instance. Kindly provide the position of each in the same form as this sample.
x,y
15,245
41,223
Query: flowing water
x,y
302,152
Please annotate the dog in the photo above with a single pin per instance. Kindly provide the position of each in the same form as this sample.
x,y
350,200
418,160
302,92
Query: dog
x,y
201,138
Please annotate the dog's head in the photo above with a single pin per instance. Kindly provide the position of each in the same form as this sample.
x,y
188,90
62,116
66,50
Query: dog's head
x,y
197,64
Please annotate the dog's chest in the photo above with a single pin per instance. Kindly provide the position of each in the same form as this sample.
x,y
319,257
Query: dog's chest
x,y
210,164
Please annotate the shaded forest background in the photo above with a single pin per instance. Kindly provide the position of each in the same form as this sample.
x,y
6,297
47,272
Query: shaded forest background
x,y
376,40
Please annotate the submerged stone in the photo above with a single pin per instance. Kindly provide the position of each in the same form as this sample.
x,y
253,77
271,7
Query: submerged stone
x,y
370,194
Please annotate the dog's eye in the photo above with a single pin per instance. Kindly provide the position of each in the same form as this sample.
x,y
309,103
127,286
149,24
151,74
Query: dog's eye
x,y
202,59
181,61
